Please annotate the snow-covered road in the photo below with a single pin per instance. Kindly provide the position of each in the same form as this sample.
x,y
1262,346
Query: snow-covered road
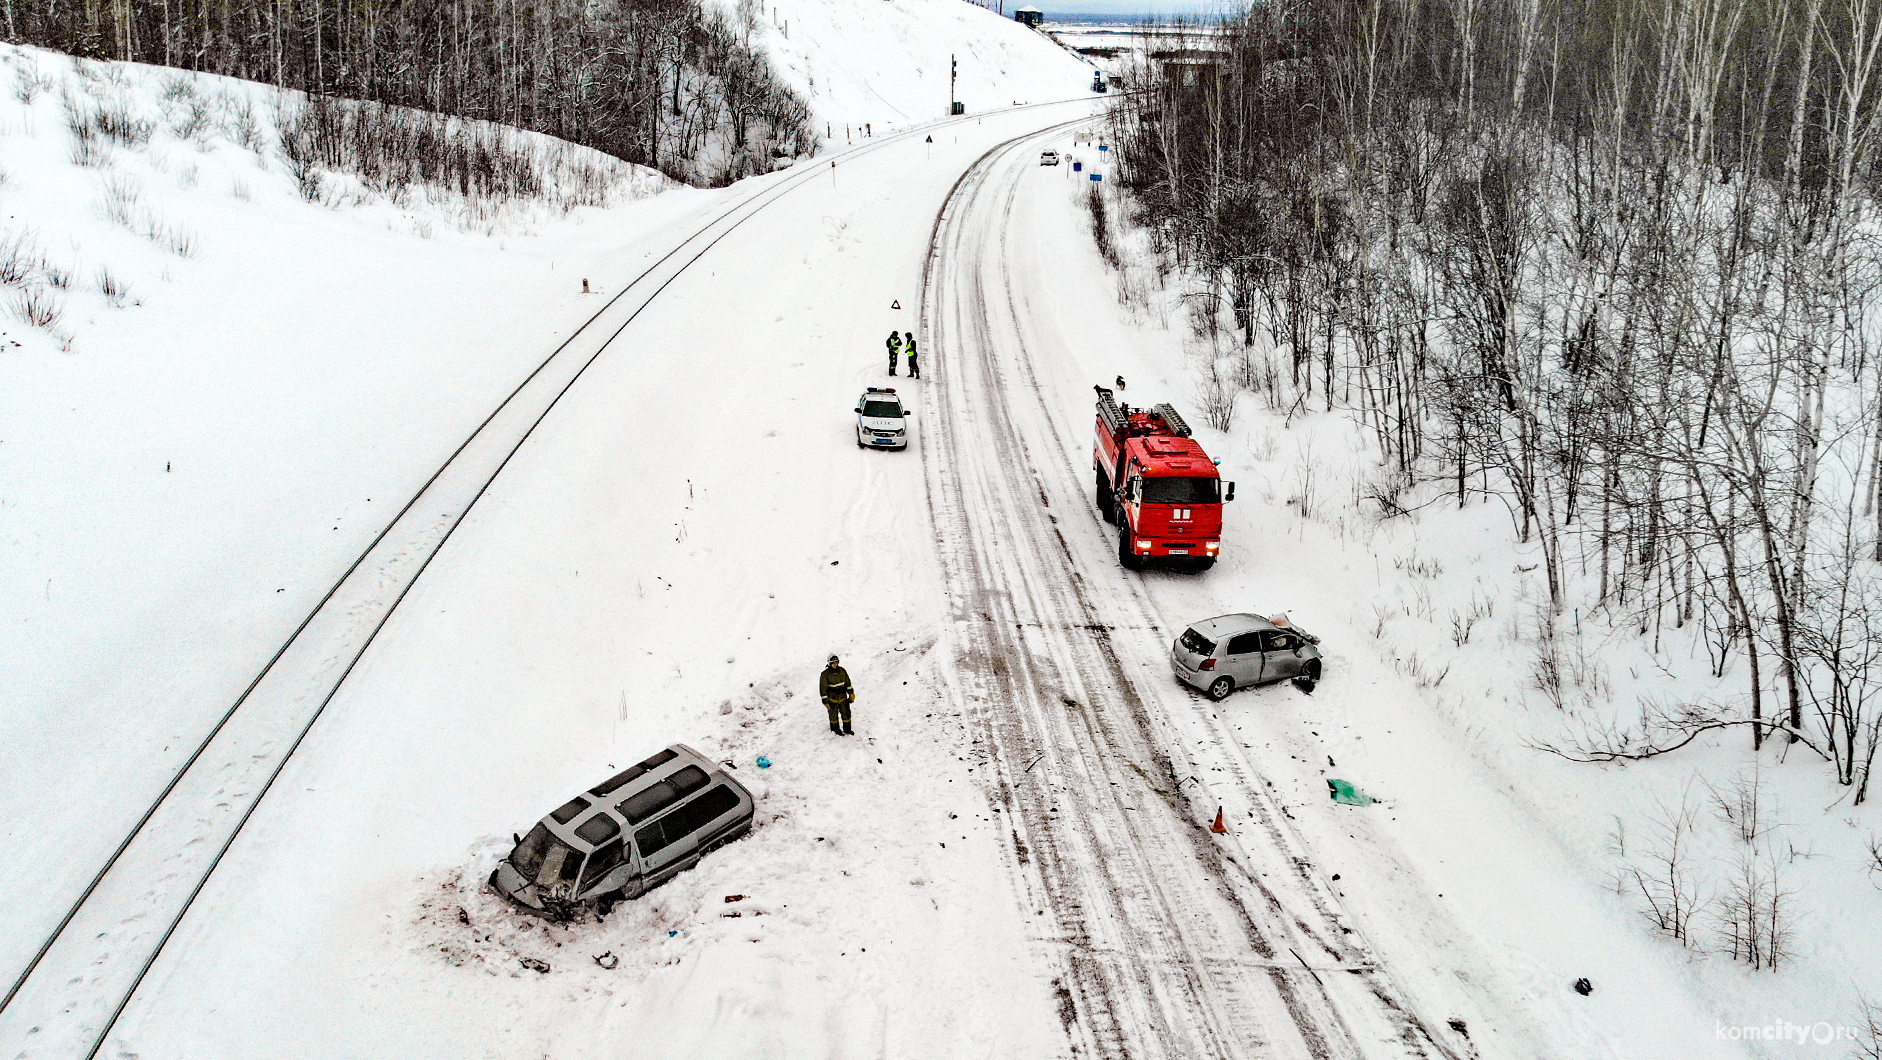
x,y
1176,943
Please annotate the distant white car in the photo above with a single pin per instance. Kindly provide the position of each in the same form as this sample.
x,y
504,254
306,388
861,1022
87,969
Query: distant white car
x,y
1049,158
881,421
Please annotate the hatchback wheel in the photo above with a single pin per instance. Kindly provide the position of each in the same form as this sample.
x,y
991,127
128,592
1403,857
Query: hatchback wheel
x,y
1221,687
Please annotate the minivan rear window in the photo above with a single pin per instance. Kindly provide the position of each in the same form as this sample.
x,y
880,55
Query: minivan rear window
x,y
632,773
570,810
644,804
1196,642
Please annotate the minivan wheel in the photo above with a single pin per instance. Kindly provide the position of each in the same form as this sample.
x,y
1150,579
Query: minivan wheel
x,y
1311,671
1221,687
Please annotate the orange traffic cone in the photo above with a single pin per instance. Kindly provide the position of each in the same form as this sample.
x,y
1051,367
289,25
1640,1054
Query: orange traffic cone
x,y
1218,827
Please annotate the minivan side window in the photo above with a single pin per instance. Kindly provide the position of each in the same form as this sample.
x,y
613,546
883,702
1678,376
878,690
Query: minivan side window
x,y
708,807
1243,643
684,821
657,797
601,862
651,840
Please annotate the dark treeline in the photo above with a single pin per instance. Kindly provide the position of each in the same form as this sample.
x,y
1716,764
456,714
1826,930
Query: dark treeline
x,y
1611,262
661,83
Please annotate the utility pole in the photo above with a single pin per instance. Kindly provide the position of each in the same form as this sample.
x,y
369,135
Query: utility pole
x,y
954,69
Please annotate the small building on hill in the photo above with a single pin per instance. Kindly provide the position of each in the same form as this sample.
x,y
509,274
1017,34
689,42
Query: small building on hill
x,y
1029,15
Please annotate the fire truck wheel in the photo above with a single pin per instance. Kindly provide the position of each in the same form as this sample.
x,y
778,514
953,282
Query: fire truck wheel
x,y
1105,508
1221,687
1125,556
1204,564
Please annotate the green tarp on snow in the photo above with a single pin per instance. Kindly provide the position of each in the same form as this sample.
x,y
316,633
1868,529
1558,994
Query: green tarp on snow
x,y
1344,791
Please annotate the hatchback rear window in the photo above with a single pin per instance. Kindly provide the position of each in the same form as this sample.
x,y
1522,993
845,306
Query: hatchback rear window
x,y
883,409
1196,642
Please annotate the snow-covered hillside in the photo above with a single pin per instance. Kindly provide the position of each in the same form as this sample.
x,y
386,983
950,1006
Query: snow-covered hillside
x,y
884,63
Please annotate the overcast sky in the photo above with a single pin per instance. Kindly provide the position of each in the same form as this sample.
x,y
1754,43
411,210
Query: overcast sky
x,y
1129,8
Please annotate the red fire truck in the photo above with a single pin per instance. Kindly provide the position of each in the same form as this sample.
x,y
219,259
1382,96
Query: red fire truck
x,y
1159,487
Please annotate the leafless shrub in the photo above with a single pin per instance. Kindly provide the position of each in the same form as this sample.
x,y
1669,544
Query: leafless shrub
x,y
115,122
1742,805
57,278
37,306
1461,624
1265,445
238,188
1664,877
1419,567
188,177
176,240
1216,396
1381,613
27,82
1754,919
113,288
1384,490
240,125
120,200
1101,225
1420,670
20,258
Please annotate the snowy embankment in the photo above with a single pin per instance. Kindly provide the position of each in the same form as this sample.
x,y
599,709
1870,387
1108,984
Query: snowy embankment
x,y
222,392
1450,681
884,63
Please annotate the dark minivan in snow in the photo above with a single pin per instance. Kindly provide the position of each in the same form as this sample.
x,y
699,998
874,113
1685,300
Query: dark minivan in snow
x,y
626,836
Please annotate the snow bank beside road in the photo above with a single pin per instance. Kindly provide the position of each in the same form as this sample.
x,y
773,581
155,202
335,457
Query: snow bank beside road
x,y
885,62
238,389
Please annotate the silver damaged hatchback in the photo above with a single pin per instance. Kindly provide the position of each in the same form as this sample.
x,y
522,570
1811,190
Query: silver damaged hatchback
x,y
1219,655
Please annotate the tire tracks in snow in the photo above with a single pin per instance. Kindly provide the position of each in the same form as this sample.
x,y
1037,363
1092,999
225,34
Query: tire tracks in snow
x,y
70,995
1171,943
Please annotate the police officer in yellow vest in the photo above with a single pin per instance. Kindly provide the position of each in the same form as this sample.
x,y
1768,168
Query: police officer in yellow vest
x,y
837,697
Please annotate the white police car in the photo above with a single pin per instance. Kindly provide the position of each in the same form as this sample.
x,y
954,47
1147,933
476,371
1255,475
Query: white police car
x,y
881,421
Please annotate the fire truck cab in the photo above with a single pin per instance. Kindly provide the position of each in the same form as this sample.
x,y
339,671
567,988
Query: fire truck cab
x,y
1158,485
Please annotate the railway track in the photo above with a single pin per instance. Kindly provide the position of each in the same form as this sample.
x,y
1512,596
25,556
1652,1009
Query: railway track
x,y
67,999
1171,942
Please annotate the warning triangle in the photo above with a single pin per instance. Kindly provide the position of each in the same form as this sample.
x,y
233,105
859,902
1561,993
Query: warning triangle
x,y
897,304
931,139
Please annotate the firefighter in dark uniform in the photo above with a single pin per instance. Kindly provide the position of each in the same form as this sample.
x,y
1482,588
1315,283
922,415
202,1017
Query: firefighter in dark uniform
x,y
838,694
895,349
914,370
